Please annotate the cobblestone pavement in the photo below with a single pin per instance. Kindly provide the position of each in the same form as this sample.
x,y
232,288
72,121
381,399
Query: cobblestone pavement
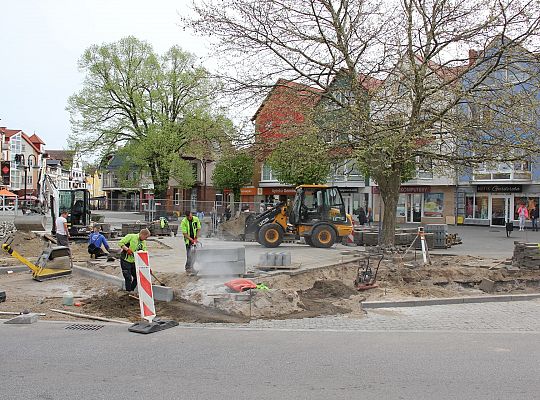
x,y
516,316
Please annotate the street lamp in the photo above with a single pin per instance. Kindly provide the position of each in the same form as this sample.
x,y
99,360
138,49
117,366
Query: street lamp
x,y
19,158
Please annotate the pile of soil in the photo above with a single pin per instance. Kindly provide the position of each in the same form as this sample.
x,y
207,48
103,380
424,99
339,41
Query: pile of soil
x,y
115,304
328,289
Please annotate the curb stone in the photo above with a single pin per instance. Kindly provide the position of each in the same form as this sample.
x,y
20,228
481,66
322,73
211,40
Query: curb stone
x,y
161,293
449,300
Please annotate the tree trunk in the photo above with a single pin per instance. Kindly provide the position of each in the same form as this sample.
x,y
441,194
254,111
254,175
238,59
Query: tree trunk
x,y
389,191
161,182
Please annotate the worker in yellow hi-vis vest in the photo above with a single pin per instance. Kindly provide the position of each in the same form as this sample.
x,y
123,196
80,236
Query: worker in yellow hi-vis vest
x,y
190,228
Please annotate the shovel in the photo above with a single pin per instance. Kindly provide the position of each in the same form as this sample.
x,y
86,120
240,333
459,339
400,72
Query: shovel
x,y
157,279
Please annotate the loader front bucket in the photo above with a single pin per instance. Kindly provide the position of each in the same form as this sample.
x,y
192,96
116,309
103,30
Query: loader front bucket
x,y
27,223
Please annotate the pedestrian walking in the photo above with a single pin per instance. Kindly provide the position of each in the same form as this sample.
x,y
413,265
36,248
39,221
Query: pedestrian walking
x,y
190,228
262,207
129,244
369,216
362,219
534,217
62,231
95,241
523,215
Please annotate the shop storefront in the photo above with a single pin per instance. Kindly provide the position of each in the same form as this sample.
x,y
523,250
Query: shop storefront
x,y
421,204
353,199
494,205
250,197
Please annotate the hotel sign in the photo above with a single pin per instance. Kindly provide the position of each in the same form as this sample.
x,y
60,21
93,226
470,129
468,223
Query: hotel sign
x,y
499,188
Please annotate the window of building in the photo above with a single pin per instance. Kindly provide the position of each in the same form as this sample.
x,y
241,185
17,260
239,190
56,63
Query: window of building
x,y
530,202
433,204
177,197
401,209
266,173
481,206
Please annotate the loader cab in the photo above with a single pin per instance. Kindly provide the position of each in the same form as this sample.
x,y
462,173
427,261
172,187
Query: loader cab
x,y
314,204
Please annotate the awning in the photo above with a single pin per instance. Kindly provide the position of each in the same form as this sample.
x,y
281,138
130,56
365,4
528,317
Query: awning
x,y
7,193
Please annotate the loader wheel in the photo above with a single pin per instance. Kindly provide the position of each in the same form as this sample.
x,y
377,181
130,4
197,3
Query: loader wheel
x,y
323,236
270,235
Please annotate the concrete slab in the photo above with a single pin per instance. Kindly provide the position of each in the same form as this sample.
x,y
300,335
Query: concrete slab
x,y
90,273
487,285
162,293
23,319
16,268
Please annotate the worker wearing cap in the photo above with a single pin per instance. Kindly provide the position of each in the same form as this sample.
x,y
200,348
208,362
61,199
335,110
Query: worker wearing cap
x,y
190,228
130,244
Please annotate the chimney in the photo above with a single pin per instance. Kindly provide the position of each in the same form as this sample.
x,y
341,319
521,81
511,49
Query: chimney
x,y
473,56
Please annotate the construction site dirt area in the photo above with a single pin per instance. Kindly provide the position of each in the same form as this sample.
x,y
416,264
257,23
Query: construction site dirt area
x,y
310,292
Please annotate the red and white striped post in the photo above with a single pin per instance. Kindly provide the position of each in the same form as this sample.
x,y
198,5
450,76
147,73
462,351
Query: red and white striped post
x,y
146,295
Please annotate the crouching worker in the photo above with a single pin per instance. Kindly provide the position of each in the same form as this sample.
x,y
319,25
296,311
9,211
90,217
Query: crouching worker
x,y
130,244
95,241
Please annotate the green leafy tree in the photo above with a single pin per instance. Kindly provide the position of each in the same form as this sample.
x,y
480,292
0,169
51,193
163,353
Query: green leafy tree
x,y
233,171
150,105
182,172
302,159
406,72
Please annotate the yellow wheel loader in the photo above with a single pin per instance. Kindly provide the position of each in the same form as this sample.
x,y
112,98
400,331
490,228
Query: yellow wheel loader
x,y
317,214
52,263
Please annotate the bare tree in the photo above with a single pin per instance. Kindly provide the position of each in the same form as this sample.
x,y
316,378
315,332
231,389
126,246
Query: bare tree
x,y
412,85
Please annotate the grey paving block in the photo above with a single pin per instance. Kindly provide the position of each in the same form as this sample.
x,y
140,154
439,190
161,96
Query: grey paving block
x,y
163,293
487,285
23,319
15,268
487,299
221,268
227,254
89,273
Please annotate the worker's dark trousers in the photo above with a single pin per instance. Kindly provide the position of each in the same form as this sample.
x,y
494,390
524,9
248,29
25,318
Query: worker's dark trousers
x,y
96,251
62,240
189,257
130,274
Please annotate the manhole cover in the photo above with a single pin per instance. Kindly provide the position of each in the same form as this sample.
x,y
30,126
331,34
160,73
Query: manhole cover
x,y
84,327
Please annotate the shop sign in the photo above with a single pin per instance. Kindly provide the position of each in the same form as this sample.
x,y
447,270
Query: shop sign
x,y
279,191
348,189
407,189
249,191
499,188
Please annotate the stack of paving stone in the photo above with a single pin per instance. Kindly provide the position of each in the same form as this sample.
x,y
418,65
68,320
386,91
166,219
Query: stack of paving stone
x,y
439,234
526,255
133,228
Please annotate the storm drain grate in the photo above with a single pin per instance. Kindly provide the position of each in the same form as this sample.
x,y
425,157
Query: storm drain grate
x,y
84,327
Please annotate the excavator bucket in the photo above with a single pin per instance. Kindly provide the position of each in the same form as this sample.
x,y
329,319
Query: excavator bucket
x,y
27,223
53,262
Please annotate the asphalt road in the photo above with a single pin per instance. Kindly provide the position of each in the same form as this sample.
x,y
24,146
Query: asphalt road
x,y
46,361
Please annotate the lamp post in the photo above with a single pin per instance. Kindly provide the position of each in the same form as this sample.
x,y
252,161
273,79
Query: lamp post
x,y
19,158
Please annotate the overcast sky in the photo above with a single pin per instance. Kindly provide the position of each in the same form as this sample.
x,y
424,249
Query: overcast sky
x,y
41,41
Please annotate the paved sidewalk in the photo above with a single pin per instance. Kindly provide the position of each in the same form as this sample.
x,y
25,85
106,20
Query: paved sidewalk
x,y
523,316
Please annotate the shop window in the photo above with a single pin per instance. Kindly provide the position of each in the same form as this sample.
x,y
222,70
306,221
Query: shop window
x,y
469,206
530,202
401,206
481,207
433,204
